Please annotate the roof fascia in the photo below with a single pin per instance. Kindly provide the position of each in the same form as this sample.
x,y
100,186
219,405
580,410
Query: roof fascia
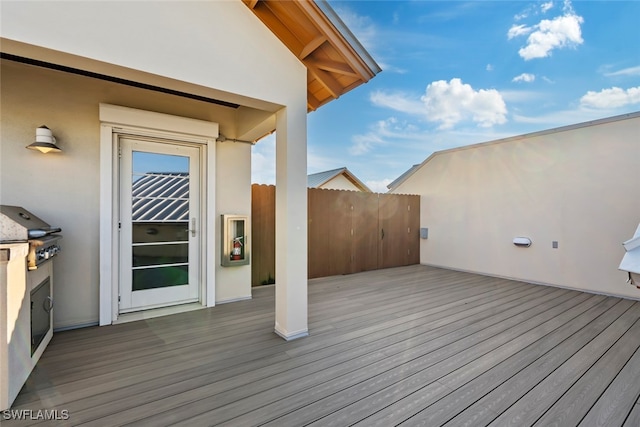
x,y
342,35
356,181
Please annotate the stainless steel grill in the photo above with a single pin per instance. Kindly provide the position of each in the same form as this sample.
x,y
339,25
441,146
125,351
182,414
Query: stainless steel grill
x,y
19,225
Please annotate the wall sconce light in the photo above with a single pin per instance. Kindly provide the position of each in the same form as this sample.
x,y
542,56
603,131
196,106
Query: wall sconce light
x,y
523,242
45,141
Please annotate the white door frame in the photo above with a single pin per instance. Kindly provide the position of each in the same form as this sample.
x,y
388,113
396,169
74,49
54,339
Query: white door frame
x,y
130,300
117,120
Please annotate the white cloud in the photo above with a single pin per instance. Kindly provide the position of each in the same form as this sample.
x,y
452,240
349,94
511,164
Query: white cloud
x,y
445,102
631,71
362,144
611,98
379,186
557,33
524,77
545,7
518,30
489,67
452,102
380,132
534,9
521,16
397,101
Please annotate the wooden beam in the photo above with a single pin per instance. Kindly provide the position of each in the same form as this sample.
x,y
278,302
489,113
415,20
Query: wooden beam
x,y
324,78
251,3
312,102
334,66
332,63
278,27
312,46
335,39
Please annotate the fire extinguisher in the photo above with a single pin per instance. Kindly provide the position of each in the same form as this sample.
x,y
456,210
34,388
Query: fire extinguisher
x,y
236,252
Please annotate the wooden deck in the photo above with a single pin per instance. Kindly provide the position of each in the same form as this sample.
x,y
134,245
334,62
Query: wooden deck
x,y
411,346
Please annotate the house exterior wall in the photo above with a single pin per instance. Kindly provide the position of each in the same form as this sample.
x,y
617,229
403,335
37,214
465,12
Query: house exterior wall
x,y
340,182
577,186
63,188
213,46
217,45
233,174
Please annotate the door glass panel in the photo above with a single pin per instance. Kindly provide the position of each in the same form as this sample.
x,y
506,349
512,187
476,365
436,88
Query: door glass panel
x,y
160,220
160,254
160,277
154,232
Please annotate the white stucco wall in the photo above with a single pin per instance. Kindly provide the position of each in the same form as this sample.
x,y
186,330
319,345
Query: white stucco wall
x,y
339,182
578,186
233,175
214,44
210,45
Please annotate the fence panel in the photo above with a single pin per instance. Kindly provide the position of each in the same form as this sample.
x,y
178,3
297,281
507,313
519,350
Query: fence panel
x,y
263,230
348,232
329,233
365,231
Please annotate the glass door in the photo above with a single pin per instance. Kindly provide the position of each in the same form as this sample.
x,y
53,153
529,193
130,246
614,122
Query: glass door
x,y
159,224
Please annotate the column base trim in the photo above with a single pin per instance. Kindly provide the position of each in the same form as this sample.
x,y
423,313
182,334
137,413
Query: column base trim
x,y
291,335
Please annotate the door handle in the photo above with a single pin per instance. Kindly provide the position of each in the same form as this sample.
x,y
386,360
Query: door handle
x,y
47,307
382,234
193,227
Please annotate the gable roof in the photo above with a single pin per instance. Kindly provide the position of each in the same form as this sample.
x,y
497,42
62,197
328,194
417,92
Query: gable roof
x,y
336,62
316,180
393,184
414,168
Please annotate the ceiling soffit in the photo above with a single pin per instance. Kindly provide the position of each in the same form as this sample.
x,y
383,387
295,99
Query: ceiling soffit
x,y
335,61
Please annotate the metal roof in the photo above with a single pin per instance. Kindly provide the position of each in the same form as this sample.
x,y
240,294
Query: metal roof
x,y
161,197
316,180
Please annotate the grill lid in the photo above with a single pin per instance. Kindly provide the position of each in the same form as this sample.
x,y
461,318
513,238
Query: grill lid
x,y
17,223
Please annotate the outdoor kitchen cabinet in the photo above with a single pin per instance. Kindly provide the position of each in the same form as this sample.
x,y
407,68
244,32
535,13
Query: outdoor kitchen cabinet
x,y
15,331
17,357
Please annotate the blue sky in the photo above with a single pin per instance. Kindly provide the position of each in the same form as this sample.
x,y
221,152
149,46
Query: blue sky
x,y
462,72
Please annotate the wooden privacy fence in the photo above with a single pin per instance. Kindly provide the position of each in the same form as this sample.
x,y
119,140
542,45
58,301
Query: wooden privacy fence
x,y
348,232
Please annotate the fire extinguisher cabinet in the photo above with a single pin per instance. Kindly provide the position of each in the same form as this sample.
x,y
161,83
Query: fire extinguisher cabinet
x,y
235,240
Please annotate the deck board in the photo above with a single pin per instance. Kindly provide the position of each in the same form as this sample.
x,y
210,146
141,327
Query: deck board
x,y
413,345
460,349
484,373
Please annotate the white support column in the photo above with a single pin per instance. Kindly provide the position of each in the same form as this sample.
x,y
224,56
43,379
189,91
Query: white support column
x,y
291,223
